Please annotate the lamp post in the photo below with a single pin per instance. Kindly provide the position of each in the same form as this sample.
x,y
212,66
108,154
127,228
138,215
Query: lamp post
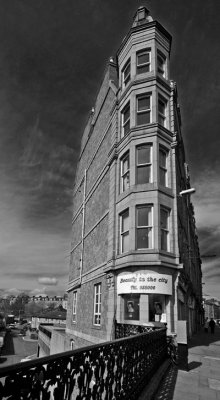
x,y
187,191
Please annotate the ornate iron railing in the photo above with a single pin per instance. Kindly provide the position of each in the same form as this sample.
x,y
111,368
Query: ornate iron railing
x,y
114,370
125,330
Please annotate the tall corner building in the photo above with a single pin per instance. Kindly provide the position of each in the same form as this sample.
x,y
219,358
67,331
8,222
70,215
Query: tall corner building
x,y
134,248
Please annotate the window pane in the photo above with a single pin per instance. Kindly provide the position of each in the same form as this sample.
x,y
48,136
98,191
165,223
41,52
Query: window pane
x,y
125,242
143,154
125,222
125,164
163,177
126,113
164,240
127,70
161,65
143,58
143,118
144,240
97,319
125,181
161,120
131,306
143,69
164,219
162,158
161,107
143,174
144,103
127,127
144,216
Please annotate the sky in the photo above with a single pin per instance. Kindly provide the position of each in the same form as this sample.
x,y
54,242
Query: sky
x,y
52,58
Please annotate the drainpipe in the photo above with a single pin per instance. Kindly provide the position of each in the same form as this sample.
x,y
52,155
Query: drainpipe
x,y
83,227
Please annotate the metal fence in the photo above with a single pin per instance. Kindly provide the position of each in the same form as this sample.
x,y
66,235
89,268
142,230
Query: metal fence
x,y
118,369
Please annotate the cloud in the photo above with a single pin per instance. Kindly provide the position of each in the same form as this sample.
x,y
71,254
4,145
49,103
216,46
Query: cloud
x,y
47,281
38,291
207,208
207,214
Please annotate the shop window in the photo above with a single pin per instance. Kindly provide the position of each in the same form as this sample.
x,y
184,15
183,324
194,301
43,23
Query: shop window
x,y
124,231
162,111
144,227
143,61
156,307
163,157
126,73
161,64
97,304
74,305
131,307
125,172
164,228
125,119
144,164
143,109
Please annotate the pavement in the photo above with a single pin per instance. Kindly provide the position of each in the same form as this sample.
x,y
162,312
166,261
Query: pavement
x,y
202,380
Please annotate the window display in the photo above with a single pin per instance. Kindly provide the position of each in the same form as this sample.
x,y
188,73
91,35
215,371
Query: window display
x,y
131,307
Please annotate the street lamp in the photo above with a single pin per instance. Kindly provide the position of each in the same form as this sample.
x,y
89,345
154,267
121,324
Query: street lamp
x,y
187,191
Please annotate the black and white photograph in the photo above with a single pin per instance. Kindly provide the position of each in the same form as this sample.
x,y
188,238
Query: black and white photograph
x,y
109,199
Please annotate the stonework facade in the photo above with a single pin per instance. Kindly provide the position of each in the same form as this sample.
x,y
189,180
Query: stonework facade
x,y
134,251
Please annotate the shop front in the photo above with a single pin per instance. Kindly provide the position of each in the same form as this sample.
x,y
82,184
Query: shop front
x,y
144,298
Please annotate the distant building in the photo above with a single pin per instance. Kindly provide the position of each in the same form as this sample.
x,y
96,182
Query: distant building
x,y
51,335
59,300
212,308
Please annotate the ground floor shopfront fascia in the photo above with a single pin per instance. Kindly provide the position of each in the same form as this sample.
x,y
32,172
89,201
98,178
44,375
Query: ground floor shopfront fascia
x,y
146,297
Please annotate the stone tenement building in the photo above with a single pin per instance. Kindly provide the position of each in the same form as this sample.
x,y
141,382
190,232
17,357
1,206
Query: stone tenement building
x,y
134,252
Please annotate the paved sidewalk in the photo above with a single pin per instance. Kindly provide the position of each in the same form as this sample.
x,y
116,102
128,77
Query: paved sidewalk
x,y
202,381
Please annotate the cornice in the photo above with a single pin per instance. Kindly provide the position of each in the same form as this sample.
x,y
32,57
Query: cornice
x,y
146,26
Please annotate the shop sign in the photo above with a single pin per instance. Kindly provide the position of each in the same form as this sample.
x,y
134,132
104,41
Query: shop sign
x,y
144,283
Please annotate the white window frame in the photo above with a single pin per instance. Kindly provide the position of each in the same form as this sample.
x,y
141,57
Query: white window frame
x,y
149,226
163,168
97,304
74,305
162,117
125,173
161,66
146,64
126,73
165,230
146,164
126,122
145,111
123,233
